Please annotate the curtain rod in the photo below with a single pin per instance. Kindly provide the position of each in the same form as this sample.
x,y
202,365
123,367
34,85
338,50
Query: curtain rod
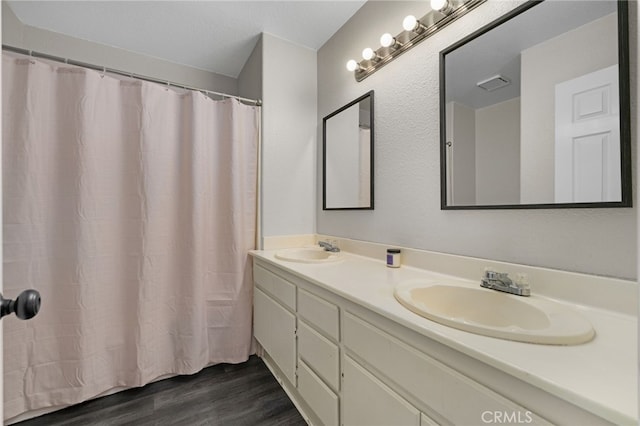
x,y
35,54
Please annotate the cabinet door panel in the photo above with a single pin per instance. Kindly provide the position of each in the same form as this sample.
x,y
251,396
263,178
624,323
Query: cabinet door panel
x,y
320,353
274,327
367,401
320,398
275,286
321,314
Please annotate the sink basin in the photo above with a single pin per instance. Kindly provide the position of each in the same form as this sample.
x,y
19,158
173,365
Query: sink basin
x,y
307,255
491,313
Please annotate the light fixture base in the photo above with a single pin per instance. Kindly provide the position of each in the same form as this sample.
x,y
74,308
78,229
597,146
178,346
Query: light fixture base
x,y
429,24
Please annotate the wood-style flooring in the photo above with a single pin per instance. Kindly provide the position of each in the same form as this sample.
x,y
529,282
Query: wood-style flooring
x,y
224,394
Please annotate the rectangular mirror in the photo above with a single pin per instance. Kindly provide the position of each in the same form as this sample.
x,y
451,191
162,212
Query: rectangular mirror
x,y
534,110
347,156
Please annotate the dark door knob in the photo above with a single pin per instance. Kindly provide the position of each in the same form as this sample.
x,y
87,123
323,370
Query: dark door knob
x,y
26,305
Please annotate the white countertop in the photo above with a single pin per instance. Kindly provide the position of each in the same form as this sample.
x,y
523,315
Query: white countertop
x,y
599,376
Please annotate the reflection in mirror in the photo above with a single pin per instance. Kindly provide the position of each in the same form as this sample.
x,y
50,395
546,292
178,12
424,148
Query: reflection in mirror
x,y
535,110
347,160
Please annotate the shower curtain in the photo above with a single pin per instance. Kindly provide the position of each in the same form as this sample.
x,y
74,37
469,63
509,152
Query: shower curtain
x,y
131,208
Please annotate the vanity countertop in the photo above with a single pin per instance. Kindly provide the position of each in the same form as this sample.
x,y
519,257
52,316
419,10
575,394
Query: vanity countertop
x,y
599,376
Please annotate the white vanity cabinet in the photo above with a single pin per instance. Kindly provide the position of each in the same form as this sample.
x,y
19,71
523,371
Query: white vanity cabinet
x,y
299,332
345,364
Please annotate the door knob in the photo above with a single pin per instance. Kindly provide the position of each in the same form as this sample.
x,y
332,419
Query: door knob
x,y
26,305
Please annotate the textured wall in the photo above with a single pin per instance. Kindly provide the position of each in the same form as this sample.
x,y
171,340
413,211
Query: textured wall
x,y
407,164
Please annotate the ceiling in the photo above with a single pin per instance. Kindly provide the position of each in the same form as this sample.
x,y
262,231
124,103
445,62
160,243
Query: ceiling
x,y
216,36
498,51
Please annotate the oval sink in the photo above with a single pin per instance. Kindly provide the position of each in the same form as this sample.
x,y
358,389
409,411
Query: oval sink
x,y
307,255
491,313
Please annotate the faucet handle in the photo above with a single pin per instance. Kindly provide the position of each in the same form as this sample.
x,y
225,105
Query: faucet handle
x,y
489,273
329,245
522,280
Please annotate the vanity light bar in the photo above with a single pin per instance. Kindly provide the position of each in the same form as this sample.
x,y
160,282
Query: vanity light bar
x,y
415,30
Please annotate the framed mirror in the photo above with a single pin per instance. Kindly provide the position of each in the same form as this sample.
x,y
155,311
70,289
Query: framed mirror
x,y
535,110
347,156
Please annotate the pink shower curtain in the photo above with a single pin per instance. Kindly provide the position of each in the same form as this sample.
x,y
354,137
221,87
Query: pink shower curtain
x,y
131,207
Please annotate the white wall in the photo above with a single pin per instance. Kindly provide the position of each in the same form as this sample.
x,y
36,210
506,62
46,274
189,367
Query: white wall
x,y
461,155
289,137
498,153
573,54
250,77
15,34
407,165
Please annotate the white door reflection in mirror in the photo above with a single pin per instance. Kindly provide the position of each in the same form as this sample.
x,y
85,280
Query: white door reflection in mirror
x,y
587,152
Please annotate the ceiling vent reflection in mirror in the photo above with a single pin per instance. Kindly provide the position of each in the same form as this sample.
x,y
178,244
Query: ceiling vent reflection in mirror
x,y
493,83
415,30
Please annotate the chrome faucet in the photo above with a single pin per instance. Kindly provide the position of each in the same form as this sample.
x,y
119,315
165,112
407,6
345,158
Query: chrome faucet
x,y
500,281
329,247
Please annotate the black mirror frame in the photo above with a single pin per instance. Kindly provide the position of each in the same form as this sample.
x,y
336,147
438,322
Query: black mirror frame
x,y
625,117
324,153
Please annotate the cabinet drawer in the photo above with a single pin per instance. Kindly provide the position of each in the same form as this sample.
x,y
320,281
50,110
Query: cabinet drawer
x,y
454,396
319,353
320,398
319,313
277,287
369,402
274,327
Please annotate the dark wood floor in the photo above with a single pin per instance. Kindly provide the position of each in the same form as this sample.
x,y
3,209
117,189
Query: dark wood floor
x,y
225,394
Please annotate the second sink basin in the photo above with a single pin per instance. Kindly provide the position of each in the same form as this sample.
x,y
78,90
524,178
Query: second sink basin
x,y
307,255
495,314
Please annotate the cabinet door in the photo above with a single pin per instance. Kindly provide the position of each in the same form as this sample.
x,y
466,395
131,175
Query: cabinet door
x,y
274,327
367,401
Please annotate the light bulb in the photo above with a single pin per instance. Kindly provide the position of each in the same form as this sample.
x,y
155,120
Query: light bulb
x,y
387,40
409,23
352,65
368,54
439,4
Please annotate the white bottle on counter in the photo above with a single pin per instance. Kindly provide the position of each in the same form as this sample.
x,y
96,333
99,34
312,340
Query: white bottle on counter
x,y
393,258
